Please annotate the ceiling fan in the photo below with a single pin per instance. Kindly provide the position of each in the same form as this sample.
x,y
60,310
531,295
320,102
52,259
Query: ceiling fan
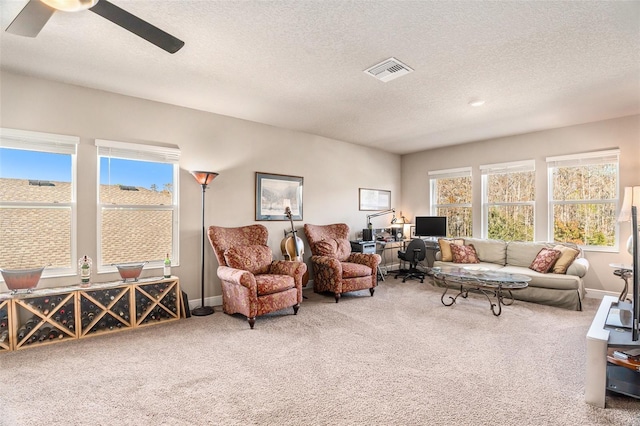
x,y
36,13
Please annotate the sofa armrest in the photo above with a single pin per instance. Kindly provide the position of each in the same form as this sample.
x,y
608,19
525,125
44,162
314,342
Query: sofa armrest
x,y
579,267
239,277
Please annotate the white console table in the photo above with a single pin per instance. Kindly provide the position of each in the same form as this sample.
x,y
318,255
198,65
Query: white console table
x,y
599,339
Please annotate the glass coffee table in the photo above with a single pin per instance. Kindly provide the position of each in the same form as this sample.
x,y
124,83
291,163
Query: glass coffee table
x,y
492,284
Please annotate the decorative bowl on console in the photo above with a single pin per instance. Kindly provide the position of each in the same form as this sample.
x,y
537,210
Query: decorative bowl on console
x,y
22,279
129,271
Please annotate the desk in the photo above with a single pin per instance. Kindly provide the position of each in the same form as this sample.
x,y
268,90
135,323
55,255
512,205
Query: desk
x,y
390,261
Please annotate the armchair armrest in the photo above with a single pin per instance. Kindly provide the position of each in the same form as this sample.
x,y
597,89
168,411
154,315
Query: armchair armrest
x,y
372,260
239,277
286,267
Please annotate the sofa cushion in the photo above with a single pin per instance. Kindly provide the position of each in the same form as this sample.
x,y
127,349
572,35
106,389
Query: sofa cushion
x,y
464,254
549,280
567,256
521,253
445,249
254,258
545,260
491,251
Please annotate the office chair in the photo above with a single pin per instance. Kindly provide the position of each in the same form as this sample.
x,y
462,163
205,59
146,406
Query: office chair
x,y
415,253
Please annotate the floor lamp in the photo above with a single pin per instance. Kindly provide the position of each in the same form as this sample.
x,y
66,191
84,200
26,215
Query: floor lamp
x,y
203,178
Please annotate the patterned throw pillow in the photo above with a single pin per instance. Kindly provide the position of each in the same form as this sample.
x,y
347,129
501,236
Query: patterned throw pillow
x,y
567,256
545,260
255,259
336,248
343,249
464,254
445,248
326,248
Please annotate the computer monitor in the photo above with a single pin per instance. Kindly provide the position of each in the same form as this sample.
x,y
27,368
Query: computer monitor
x,y
431,226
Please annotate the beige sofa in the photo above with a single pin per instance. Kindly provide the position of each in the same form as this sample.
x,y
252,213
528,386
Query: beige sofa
x,y
554,289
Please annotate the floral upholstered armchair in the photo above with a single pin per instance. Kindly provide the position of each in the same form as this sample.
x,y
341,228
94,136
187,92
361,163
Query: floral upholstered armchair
x,y
335,268
253,283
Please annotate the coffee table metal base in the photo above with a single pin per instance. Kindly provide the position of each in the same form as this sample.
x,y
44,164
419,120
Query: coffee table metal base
x,y
501,297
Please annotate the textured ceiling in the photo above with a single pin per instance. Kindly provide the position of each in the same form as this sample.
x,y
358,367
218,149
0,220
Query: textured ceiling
x,y
299,64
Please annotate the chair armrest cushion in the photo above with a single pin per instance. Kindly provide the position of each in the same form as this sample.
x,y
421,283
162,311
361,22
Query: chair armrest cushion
x,y
237,276
286,267
326,262
372,260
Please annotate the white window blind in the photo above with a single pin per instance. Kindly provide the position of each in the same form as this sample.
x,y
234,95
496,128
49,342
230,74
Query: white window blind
x,y
132,151
450,173
512,167
37,141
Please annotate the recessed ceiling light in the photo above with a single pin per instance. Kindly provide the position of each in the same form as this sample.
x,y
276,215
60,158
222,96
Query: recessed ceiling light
x,y
476,103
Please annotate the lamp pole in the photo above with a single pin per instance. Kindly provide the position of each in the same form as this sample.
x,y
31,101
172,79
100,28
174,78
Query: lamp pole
x,y
203,178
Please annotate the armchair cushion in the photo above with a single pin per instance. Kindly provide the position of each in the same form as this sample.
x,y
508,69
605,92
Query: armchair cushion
x,y
269,283
253,258
355,270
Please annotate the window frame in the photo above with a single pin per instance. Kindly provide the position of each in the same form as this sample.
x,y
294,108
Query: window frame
x,y
27,140
504,168
586,158
147,153
434,175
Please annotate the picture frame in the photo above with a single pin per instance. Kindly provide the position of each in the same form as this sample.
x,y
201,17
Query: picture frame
x,y
274,193
412,232
374,199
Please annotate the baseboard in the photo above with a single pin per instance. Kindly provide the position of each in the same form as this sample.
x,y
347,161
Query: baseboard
x,y
599,294
208,301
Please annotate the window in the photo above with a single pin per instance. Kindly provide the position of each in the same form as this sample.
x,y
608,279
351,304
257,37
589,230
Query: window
x,y
451,197
583,195
37,201
138,204
508,194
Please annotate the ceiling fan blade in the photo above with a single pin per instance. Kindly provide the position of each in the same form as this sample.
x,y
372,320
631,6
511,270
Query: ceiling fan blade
x,y
31,19
137,26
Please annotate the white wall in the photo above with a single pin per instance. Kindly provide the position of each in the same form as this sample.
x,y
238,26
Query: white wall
x,y
332,170
622,133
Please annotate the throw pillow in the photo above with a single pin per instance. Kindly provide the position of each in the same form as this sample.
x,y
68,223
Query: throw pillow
x,y
464,254
343,249
255,259
445,248
567,256
544,260
326,248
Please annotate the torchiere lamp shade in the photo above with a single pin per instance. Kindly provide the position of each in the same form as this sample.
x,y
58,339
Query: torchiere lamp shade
x,y
204,178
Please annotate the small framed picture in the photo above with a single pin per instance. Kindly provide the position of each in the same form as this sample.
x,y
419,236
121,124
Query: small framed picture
x,y
374,199
412,231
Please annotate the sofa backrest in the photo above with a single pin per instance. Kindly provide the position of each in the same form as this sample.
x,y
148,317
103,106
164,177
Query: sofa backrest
x,y
522,253
490,251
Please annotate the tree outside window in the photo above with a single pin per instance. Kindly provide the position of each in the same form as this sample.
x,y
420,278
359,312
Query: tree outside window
x,y
451,197
583,198
508,201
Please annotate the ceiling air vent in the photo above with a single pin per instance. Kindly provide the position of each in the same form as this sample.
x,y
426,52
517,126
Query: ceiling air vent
x,y
388,70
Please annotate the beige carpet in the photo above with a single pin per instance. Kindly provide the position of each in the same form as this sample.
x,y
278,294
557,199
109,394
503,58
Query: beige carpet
x,y
398,358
